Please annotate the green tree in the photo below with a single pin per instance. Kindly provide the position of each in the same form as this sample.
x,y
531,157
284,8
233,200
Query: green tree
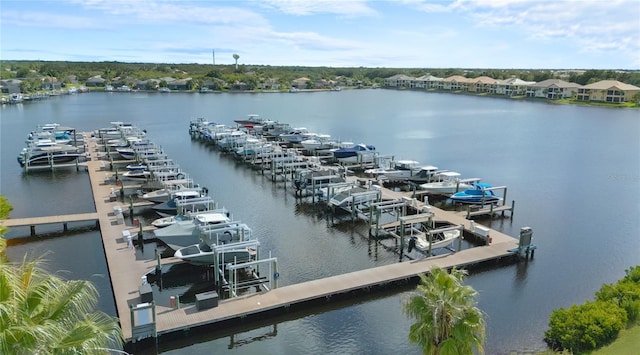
x,y
447,319
44,314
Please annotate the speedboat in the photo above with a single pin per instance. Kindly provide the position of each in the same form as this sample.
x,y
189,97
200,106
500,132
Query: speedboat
x,y
354,195
204,254
46,151
424,175
359,153
170,208
477,195
447,183
166,194
317,142
401,170
252,121
186,232
438,240
295,136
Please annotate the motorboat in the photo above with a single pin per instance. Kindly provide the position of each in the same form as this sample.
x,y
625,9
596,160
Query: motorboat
x,y
354,195
204,254
400,170
359,153
424,175
480,194
167,221
317,178
317,142
438,240
295,136
175,191
136,175
188,201
136,167
447,183
186,231
252,121
47,152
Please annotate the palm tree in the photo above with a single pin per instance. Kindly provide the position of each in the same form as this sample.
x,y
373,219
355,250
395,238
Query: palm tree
x,y
447,319
44,314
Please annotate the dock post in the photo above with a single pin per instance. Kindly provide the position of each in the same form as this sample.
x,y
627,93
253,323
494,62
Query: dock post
x,y
513,206
130,208
65,228
460,237
158,264
33,230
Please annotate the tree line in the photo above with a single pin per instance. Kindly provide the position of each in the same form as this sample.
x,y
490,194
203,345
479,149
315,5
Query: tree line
x,y
252,74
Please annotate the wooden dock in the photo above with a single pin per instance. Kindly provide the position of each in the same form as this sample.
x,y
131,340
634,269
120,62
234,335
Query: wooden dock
x,y
126,272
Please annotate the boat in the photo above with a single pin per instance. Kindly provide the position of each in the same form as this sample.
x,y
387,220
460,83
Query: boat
x,y
317,178
295,136
136,167
438,240
354,195
477,195
204,254
424,175
186,232
359,153
251,122
167,221
400,170
136,175
16,98
170,208
447,183
317,142
47,152
168,193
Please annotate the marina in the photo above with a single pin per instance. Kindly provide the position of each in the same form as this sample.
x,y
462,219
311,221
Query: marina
x,y
141,317
345,241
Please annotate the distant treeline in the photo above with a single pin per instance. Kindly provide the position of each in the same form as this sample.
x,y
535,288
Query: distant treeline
x,y
82,71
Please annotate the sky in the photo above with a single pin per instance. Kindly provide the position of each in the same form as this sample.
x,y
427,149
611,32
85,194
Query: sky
x,y
501,34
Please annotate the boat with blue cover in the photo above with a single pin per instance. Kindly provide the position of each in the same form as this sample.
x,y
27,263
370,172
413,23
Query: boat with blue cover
x,y
481,194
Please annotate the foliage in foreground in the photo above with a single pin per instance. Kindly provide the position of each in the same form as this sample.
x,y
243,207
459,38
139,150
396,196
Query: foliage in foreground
x,y
447,319
44,314
589,326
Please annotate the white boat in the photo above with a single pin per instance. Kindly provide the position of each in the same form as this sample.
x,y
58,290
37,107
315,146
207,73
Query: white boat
x,y
187,232
438,240
46,152
400,170
175,191
190,200
295,136
204,254
447,183
317,142
425,174
354,195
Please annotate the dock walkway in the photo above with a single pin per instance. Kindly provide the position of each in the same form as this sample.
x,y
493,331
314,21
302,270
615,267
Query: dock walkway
x,y
126,272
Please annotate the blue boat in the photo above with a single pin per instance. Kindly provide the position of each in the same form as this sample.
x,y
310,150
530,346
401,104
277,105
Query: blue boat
x,y
477,195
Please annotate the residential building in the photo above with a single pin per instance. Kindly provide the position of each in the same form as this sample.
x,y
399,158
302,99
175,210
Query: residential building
x,y
552,89
608,91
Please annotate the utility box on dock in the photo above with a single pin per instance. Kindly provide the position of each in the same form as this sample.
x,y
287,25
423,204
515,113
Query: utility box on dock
x,y
146,294
206,300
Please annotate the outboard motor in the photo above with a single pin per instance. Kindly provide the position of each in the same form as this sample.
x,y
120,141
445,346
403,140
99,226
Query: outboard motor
x,y
412,244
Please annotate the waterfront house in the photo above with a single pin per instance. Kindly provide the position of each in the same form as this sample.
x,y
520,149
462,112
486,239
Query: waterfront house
x,y
608,91
95,81
428,82
179,84
483,84
512,87
552,89
399,81
456,83
10,86
300,83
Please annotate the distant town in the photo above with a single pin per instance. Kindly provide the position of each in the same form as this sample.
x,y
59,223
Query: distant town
x,y
27,80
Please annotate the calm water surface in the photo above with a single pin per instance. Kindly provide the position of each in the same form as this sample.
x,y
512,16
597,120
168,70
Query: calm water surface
x,y
574,173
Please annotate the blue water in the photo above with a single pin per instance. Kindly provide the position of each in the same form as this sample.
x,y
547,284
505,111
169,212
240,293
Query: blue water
x,y
573,171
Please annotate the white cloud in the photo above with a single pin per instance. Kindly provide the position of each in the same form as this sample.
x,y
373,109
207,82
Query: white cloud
x,y
48,20
349,8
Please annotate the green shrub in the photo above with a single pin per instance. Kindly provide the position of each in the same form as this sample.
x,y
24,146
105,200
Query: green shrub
x,y
585,327
625,293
